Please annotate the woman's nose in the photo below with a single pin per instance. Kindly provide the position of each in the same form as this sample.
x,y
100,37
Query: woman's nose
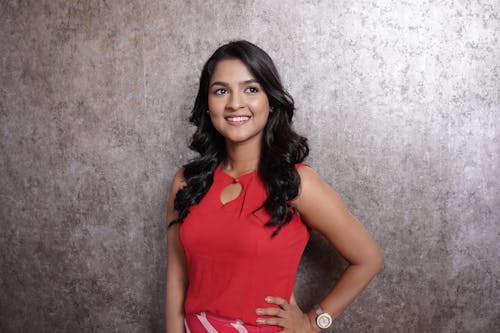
x,y
235,101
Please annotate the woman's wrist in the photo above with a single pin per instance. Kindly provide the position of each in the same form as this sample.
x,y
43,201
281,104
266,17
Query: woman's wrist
x,y
311,316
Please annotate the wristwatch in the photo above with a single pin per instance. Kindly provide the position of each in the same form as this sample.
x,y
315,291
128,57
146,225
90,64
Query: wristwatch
x,y
323,320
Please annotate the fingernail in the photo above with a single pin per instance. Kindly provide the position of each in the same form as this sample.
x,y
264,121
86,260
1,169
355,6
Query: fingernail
x,y
258,311
260,320
268,299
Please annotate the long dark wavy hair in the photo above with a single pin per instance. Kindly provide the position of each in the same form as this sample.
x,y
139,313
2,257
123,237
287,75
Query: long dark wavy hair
x,y
281,149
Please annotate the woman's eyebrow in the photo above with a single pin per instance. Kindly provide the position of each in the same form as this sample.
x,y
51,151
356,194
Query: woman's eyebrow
x,y
225,84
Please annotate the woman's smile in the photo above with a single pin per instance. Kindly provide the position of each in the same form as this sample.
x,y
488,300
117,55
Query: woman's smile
x,y
237,120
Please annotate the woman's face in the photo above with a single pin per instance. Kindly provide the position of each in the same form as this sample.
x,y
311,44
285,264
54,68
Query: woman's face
x,y
238,104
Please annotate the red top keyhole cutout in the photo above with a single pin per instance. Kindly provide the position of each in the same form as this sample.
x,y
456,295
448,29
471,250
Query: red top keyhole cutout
x,y
231,192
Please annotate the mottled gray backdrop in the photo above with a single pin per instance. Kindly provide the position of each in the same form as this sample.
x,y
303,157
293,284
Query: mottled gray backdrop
x,y
400,101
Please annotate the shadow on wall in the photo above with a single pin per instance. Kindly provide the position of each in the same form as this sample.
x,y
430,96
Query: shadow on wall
x,y
319,269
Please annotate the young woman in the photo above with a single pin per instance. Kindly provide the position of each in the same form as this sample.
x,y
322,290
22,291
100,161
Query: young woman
x,y
241,213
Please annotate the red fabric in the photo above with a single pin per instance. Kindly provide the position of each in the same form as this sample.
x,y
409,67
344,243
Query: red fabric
x,y
233,263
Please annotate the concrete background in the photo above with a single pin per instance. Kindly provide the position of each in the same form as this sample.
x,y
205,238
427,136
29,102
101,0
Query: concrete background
x,y
400,101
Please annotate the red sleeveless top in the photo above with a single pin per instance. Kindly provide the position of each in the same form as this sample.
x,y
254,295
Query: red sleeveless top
x,y
233,263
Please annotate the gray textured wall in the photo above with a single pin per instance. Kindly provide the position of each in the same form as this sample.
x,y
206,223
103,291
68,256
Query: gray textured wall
x,y
400,101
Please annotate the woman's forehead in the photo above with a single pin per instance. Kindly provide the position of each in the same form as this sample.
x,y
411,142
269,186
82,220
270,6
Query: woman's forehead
x,y
231,71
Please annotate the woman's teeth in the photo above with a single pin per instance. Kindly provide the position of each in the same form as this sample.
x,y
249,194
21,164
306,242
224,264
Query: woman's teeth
x,y
237,118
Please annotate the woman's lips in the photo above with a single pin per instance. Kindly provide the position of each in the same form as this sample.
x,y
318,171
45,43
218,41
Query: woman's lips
x,y
237,120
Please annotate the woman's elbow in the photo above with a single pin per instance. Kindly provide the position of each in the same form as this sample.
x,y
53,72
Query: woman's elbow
x,y
377,261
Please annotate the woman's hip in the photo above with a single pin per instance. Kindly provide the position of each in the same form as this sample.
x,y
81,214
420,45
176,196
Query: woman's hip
x,y
206,322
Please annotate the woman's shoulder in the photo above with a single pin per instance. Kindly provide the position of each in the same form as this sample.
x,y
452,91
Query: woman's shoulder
x,y
309,179
302,164
178,181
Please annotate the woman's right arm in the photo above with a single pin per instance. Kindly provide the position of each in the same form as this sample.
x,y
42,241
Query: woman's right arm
x,y
176,274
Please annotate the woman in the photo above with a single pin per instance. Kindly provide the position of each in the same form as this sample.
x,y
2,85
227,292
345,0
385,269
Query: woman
x,y
241,213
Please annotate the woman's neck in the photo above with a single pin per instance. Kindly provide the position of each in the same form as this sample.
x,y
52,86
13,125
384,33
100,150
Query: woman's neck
x,y
241,157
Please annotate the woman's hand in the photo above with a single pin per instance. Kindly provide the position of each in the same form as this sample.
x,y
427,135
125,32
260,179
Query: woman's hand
x,y
288,316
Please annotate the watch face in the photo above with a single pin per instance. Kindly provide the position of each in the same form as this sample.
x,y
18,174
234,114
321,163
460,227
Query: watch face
x,y
324,320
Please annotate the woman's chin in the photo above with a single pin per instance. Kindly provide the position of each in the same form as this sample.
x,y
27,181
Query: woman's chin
x,y
243,138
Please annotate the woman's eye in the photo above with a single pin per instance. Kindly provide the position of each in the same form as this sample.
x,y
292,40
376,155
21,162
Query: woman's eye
x,y
252,90
220,91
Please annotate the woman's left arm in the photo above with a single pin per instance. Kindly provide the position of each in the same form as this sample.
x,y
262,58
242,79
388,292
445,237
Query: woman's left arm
x,y
323,210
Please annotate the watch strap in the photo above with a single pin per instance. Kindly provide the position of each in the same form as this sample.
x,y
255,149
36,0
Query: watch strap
x,y
318,309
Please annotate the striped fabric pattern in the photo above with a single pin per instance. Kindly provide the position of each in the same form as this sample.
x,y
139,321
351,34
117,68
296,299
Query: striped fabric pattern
x,y
208,323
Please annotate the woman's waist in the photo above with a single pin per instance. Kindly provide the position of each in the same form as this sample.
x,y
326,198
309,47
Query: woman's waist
x,y
232,305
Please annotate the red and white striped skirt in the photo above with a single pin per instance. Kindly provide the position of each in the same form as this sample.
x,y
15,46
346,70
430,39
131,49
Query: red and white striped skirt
x,y
209,323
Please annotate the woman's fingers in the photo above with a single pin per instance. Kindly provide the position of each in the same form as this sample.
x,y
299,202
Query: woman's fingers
x,y
279,316
271,321
278,301
288,316
277,312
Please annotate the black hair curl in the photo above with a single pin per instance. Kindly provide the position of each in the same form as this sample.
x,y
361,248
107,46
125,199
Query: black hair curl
x,y
281,149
